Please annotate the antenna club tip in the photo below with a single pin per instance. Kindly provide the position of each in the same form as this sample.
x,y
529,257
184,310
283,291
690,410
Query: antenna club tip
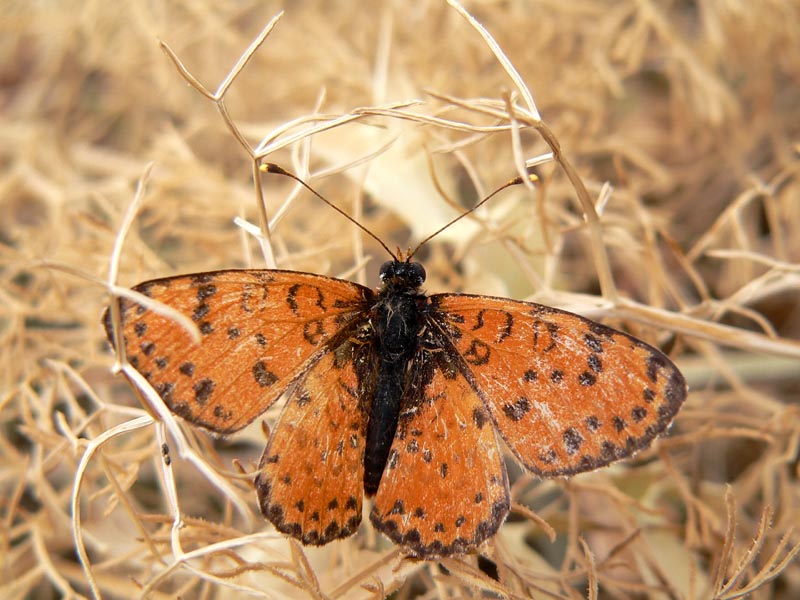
x,y
531,177
272,168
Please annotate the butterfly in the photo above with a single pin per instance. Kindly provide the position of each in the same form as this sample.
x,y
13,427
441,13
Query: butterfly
x,y
397,395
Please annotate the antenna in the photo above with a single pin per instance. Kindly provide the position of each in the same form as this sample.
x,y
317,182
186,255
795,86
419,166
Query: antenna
x,y
273,168
516,181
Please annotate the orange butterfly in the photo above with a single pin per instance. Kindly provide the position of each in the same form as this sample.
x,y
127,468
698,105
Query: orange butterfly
x,y
397,395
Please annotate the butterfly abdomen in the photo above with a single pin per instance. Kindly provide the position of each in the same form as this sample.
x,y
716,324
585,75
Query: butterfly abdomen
x,y
396,326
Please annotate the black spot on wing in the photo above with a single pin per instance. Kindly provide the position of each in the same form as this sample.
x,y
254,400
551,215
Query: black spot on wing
x,y
165,391
263,376
517,410
548,456
479,417
593,343
530,375
572,441
187,369
200,312
203,390
592,423
205,291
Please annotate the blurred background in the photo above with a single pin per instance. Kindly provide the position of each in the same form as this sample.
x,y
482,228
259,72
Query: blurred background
x,y
690,111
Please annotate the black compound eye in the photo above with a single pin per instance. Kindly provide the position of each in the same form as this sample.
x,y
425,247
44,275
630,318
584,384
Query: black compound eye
x,y
389,270
416,273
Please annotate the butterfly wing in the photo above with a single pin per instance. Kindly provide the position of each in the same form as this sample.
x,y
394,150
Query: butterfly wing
x,y
259,330
310,481
567,394
444,489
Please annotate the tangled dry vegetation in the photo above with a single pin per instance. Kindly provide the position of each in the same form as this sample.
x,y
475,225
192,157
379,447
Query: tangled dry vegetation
x,y
678,121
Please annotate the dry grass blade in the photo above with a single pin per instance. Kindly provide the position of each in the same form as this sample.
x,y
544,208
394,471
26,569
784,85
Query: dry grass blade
x,y
744,578
590,570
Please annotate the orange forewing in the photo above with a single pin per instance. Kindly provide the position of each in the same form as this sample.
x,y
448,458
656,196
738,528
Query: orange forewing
x,y
444,489
259,329
567,394
310,481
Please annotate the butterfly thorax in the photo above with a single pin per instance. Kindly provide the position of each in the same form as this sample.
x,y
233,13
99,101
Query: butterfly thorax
x,y
396,319
396,323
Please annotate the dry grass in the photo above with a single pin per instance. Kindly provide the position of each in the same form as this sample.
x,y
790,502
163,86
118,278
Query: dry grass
x,y
691,111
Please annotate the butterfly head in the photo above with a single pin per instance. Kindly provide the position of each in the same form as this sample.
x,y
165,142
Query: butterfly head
x,y
400,273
